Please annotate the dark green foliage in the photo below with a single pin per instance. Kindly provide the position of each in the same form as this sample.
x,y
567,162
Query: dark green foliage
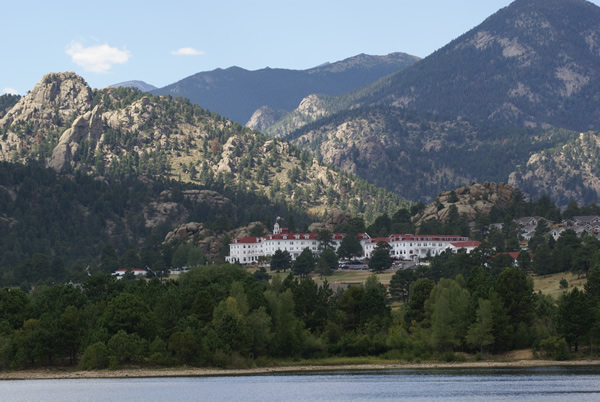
x,y
374,311
129,313
381,260
281,260
573,318
350,246
515,289
7,101
304,264
381,227
554,348
87,222
220,315
419,293
400,284
95,357
327,262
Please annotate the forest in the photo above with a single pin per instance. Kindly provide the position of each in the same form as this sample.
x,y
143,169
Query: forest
x,y
223,316
456,307
55,228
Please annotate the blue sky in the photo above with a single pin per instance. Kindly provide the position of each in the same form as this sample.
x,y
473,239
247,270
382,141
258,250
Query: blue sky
x,y
161,42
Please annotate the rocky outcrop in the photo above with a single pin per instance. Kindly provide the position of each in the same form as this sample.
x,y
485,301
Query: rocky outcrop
x,y
196,233
208,196
265,117
58,96
469,201
158,212
334,218
86,127
568,173
311,108
185,231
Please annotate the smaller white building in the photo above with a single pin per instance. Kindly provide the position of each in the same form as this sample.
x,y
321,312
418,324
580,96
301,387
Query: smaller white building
x,y
119,273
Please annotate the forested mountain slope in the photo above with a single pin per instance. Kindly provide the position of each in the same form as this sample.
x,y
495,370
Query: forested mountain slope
x,y
64,124
419,155
524,81
533,63
127,166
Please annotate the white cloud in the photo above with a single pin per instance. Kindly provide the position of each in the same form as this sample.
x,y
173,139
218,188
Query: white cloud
x,y
187,51
9,90
96,59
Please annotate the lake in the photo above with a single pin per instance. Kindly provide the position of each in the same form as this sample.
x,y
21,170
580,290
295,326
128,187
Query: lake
x,y
497,384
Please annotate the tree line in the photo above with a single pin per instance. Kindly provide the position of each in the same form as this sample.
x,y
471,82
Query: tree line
x,y
223,316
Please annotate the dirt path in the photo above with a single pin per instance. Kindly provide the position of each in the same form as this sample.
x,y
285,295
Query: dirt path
x,y
200,372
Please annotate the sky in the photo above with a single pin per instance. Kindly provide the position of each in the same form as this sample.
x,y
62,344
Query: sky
x,y
162,42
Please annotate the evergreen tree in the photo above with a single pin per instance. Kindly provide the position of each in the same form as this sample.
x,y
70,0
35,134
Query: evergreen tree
x,y
304,264
381,260
480,332
573,317
327,262
400,284
350,246
281,261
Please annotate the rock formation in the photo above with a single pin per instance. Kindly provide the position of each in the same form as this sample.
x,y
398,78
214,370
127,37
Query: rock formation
x,y
469,201
334,218
58,96
265,117
86,127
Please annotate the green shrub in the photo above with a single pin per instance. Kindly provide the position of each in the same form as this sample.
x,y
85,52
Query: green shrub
x,y
448,356
95,357
553,348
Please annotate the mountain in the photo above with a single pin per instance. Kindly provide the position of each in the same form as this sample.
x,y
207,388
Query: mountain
x,y
533,63
237,93
523,82
141,85
129,170
417,155
63,124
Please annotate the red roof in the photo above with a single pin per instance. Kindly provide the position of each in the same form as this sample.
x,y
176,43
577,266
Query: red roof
x,y
513,254
362,236
247,240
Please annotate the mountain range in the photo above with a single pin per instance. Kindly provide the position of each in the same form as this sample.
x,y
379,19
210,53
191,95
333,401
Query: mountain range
x,y
141,85
237,93
519,86
63,124
508,93
513,100
531,64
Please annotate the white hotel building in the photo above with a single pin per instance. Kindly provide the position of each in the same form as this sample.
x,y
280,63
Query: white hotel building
x,y
247,250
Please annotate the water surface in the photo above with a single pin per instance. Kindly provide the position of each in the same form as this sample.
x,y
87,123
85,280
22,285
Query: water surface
x,y
497,384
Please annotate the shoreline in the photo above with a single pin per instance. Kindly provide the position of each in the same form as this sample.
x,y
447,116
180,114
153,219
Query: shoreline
x,y
57,373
